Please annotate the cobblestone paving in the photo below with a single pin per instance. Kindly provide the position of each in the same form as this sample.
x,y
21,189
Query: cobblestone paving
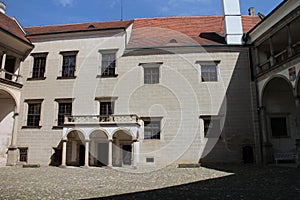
x,y
227,182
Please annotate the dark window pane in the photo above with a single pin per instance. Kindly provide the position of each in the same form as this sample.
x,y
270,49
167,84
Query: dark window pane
x,y
108,64
23,154
151,129
151,75
209,73
34,112
68,68
279,126
64,109
38,70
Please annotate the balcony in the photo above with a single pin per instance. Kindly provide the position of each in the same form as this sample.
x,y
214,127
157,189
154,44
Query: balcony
x,y
101,120
9,78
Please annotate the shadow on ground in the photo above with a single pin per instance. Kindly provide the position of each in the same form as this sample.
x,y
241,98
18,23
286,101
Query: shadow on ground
x,y
247,182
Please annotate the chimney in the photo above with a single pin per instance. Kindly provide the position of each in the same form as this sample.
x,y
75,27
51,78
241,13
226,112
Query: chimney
x,y
251,11
2,7
232,22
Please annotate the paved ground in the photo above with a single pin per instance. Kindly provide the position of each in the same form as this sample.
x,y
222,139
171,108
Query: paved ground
x,y
210,182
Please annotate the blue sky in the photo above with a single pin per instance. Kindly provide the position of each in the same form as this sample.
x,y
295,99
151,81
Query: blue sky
x,y
49,12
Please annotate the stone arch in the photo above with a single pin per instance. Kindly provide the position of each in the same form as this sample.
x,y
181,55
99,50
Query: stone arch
x,y
123,147
8,109
270,80
279,109
75,148
99,148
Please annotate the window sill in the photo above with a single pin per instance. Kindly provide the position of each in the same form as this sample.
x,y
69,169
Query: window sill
x,y
107,76
31,127
57,127
65,78
36,79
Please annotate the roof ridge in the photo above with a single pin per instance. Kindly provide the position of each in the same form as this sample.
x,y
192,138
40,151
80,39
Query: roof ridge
x,y
55,25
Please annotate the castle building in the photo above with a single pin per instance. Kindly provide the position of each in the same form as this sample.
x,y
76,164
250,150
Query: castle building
x,y
150,92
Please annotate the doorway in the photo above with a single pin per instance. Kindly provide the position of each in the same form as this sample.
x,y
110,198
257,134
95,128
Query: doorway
x,y
126,154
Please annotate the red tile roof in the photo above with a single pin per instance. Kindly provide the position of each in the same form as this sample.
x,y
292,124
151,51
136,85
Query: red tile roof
x,y
42,30
10,25
182,31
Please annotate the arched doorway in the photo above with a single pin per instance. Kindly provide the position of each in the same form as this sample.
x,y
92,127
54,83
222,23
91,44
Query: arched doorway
x,y
75,149
7,110
99,149
122,148
280,114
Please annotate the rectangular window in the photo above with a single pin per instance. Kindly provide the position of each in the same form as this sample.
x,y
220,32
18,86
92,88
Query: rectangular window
x,y
152,128
151,75
209,73
69,64
108,64
211,126
23,154
34,114
279,126
64,109
106,109
39,65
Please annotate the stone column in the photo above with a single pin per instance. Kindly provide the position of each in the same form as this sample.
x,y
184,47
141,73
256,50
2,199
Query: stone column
x,y
110,145
12,156
87,151
3,65
298,152
267,146
64,154
136,152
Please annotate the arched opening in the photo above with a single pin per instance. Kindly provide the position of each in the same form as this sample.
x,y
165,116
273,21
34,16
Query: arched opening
x,y
75,149
7,110
280,114
122,148
98,149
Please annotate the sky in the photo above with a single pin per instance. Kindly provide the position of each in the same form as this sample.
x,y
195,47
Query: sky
x,y
51,12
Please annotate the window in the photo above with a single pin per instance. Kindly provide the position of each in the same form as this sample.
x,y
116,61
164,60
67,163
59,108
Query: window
x,y
69,64
108,64
152,128
34,114
23,154
64,109
39,65
209,73
211,126
151,75
106,109
279,126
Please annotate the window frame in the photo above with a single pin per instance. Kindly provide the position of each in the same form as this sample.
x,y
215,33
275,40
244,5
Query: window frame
x,y
209,65
112,67
28,115
65,55
157,121
41,66
147,67
211,120
287,121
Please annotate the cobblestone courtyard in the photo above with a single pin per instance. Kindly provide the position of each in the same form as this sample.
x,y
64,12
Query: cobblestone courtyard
x,y
213,182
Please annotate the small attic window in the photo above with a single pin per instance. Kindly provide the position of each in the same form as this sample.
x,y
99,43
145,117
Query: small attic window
x,y
173,41
91,26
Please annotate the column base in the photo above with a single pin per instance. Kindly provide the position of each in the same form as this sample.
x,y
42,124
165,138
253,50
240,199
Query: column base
x,y
12,156
85,167
63,166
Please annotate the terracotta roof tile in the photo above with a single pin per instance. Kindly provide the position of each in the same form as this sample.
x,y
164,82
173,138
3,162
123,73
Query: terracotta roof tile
x,y
183,31
42,30
10,25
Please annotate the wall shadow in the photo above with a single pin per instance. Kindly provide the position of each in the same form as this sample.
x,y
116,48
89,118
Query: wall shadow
x,y
247,182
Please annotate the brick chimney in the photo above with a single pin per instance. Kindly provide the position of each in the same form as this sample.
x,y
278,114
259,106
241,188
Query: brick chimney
x,y
2,7
232,22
